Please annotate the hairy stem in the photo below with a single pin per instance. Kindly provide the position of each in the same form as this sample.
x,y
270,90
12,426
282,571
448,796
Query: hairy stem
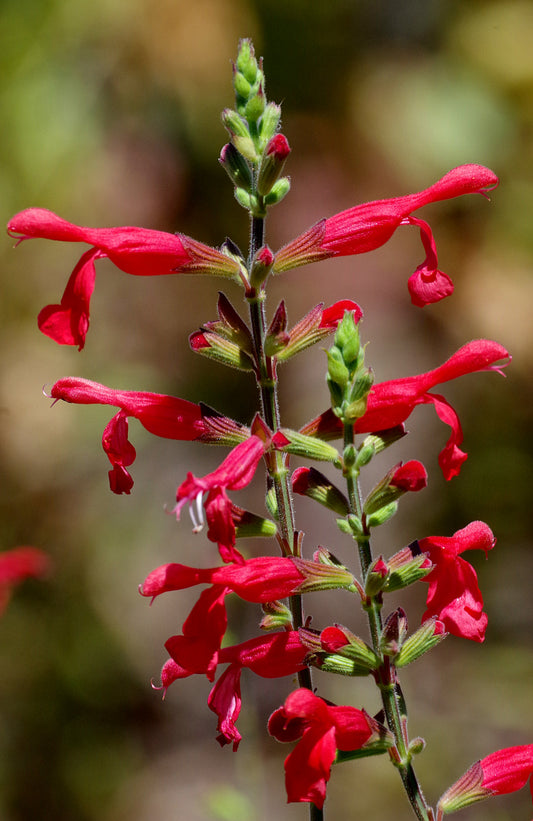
x,y
386,675
279,476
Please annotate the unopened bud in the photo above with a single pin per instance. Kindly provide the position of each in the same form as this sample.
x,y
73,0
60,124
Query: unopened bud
x,y
261,266
394,633
310,482
382,515
279,191
236,166
402,478
220,349
272,163
376,577
269,122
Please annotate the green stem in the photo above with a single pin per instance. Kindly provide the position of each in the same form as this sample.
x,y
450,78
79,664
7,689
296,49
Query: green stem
x,y
386,675
279,475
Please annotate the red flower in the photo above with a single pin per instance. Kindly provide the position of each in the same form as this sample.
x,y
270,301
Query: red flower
x,y
391,403
196,649
138,251
263,579
166,416
18,564
322,730
234,473
273,656
454,596
370,225
502,772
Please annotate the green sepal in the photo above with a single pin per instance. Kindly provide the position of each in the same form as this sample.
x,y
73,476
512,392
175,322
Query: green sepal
x,y
337,664
249,525
313,484
377,442
291,441
271,503
214,346
425,638
467,790
406,567
382,515
372,748
276,616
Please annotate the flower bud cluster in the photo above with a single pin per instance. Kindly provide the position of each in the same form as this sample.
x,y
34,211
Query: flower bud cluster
x,y
255,157
349,382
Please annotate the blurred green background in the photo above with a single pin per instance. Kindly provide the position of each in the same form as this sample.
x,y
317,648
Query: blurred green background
x,y
110,116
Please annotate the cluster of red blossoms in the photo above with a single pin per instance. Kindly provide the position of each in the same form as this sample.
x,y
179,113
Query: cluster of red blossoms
x,y
454,603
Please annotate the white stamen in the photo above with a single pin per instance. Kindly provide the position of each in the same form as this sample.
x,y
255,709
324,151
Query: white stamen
x,y
196,512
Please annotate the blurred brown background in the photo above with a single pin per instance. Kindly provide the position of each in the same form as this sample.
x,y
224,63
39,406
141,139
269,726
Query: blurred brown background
x,y
110,116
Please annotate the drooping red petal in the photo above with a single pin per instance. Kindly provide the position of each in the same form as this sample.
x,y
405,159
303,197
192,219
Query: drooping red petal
x,y
120,453
197,648
68,322
427,284
225,700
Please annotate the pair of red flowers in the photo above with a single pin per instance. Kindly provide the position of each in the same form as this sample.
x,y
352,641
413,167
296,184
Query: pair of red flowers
x,y
145,252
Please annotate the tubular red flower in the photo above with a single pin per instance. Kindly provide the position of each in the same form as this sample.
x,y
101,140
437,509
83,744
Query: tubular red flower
x,y
18,564
499,773
263,579
165,416
454,596
322,729
370,225
391,403
137,251
273,656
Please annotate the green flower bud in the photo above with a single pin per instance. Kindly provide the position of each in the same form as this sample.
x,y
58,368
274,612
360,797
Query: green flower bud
x,y
234,123
279,190
269,122
382,515
236,166
338,373
376,577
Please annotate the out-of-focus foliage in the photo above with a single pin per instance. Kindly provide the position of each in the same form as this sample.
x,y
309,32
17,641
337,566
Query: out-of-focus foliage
x,y
110,116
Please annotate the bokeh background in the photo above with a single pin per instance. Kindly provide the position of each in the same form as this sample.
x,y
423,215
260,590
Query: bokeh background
x,y
110,116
